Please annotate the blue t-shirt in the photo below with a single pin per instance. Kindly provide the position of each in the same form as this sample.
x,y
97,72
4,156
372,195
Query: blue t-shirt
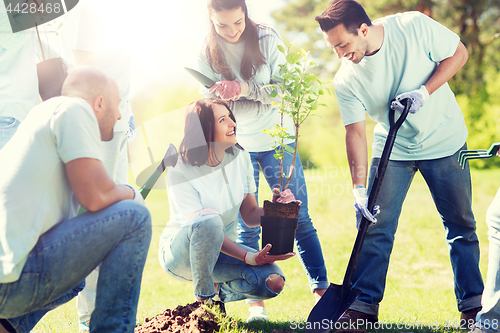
x,y
413,46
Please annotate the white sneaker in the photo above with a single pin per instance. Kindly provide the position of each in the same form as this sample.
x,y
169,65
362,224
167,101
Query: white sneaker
x,y
84,326
257,313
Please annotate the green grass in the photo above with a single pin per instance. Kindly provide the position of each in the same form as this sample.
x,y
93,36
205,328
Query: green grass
x,y
419,284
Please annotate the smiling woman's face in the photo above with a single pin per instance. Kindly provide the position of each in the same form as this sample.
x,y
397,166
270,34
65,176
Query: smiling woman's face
x,y
229,24
224,126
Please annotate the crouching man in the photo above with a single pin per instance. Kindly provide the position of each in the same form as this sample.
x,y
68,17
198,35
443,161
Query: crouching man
x,y
51,165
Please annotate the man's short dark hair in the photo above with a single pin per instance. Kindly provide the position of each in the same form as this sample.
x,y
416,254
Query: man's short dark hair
x,y
347,12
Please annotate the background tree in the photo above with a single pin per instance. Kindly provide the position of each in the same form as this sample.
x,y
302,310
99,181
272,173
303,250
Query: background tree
x,y
477,22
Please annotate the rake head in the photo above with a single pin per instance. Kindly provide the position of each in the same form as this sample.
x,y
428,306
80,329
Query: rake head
x,y
465,155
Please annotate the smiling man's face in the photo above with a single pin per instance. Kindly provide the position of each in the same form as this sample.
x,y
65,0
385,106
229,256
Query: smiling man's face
x,y
345,44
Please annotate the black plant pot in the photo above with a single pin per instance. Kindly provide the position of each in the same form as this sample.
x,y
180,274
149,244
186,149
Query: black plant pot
x,y
279,232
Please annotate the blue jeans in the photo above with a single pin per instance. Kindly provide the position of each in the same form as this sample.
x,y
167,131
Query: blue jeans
x,y
450,187
8,126
306,237
116,237
192,253
489,317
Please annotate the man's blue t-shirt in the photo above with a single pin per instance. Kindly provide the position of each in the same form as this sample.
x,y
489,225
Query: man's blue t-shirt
x,y
413,46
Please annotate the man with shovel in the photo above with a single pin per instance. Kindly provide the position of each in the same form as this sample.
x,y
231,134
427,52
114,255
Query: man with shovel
x,y
402,56
51,165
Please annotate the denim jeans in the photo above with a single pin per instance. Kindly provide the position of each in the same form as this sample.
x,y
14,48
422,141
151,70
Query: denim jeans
x,y
8,126
115,162
192,253
306,238
116,237
489,317
450,187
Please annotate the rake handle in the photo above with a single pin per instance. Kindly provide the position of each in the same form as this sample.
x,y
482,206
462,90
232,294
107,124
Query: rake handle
x,y
375,189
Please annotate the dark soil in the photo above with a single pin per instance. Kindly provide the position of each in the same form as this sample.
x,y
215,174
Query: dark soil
x,y
192,318
280,210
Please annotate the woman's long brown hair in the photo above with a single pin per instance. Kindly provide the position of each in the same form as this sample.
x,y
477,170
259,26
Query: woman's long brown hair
x,y
252,56
199,131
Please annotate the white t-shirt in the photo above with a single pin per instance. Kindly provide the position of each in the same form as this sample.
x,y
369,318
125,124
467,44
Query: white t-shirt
x,y
18,76
249,129
413,46
35,193
222,188
87,29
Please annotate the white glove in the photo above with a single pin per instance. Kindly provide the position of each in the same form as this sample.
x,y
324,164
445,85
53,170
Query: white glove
x,y
361,206
137,196
418,98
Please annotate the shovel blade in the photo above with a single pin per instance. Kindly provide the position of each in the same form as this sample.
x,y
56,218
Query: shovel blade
x,y
334,302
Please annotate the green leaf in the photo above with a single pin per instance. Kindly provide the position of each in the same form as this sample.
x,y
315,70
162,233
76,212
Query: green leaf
x,y
289,149
292,58
296,90
310,78
279,156
274,93
281,48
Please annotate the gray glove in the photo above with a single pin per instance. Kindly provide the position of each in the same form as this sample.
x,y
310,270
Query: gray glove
x,y
418,98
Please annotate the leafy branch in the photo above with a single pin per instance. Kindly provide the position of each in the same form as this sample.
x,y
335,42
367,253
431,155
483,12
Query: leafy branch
x,y
299,92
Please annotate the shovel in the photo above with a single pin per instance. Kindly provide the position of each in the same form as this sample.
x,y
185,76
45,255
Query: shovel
x,y
169,160
337,298
205,81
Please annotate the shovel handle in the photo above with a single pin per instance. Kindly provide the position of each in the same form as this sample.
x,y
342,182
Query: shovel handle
x,y
377,182
389,143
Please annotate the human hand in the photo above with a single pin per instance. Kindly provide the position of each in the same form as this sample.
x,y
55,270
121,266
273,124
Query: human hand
x,y
137,196
418,98
361,206
284,197
227,90
261,257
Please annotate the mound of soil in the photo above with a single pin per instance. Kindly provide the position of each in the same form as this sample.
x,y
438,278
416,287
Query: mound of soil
x,y
192,318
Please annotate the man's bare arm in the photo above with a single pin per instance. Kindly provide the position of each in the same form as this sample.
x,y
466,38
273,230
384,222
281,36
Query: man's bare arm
x,y
92,186
357,152
447,68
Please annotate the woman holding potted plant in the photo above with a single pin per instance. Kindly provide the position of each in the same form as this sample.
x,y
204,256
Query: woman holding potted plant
x,y
242,57
198,243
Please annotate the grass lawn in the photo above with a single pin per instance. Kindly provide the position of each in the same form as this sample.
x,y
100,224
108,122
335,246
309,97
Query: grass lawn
x,y
419,283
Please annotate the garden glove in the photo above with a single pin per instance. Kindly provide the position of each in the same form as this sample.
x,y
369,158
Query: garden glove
x,y
226,90
284,197
361,206
261,257
418,98
137,196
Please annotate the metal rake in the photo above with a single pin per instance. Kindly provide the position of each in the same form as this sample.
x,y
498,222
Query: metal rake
x,y
465,155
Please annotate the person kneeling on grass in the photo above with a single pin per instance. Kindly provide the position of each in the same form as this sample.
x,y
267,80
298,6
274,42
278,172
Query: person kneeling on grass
x,y
212,182
52,164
